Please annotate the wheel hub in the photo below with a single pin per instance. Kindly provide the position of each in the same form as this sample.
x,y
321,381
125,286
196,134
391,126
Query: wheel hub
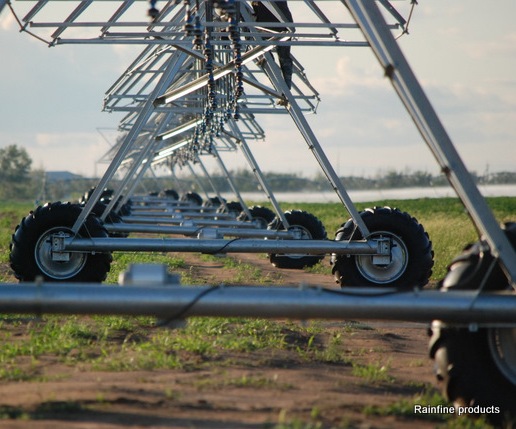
x,y
300,233
384,270
61,268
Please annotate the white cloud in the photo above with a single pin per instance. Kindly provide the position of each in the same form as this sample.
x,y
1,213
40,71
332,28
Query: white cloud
x,y
76,152
55,96
63,139
487,49
347,76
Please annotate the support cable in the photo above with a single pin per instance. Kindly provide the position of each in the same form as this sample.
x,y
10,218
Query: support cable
x,y
23,28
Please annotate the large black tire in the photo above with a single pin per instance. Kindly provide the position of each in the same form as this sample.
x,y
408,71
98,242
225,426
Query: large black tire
x,y
233,208
125,210
169,193
111,218
477,369
87,195
193,198
98,210
412,257
469,376
105,195
212,204
262,215
30,246
310,228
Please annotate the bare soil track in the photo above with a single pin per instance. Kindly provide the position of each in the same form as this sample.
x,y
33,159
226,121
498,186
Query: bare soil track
x,y
283,390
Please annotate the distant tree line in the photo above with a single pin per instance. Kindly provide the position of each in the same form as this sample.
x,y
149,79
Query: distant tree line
x,y
291,182
19,181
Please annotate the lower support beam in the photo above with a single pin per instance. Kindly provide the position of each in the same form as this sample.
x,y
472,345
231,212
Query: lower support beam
x,y
175,302
62,244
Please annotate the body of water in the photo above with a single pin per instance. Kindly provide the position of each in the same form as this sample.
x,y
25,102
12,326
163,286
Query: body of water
x,y
380,194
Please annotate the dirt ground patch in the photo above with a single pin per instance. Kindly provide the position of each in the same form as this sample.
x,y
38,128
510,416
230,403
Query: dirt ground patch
x,y
247,390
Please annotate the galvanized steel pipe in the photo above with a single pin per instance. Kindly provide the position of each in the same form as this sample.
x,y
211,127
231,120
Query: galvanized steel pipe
x,y
314,247
171,302
194,231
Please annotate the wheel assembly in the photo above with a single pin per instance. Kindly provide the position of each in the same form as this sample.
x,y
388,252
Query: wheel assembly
x,y
105,196
476,368
169,193
306,227
233,207
411,261
213,202
31,254
262,215
192,197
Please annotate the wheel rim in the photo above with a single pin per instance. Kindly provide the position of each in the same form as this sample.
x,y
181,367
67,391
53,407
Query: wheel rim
x,y
385,273
502,344
58,270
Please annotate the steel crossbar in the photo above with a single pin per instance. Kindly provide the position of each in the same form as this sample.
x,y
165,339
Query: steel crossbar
x,y
120,22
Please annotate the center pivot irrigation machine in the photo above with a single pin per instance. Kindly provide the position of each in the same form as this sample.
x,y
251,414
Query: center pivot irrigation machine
x,y
206,72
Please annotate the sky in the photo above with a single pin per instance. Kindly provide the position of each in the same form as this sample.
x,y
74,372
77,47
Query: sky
x,y
463,53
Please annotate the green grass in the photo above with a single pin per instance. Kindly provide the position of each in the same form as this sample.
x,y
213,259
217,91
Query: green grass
x,y
242,273
444,219
247,381
373,373
110,343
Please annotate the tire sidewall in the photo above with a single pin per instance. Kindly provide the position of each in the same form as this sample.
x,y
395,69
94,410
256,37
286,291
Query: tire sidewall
x,y
261,214
312,225
465,365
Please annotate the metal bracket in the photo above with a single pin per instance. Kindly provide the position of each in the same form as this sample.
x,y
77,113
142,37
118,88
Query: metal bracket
x,y
148,275
209,234
384,256
58,245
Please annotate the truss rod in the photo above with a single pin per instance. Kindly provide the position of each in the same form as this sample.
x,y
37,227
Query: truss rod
x,y
315,147
34,11
142,41
129,140
118,13
255,168
215,25
411,94
175,94
73,16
